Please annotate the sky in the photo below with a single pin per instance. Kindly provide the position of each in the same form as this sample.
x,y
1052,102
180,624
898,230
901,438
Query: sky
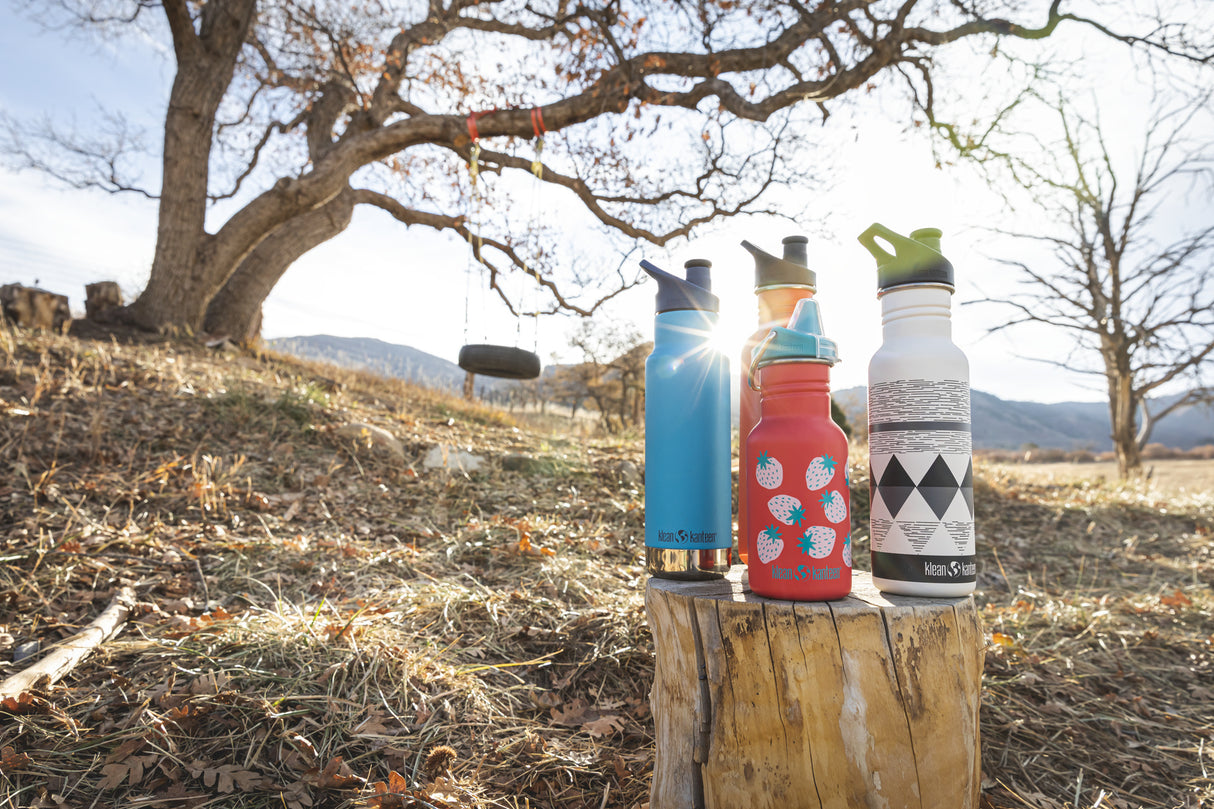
x,y
410,286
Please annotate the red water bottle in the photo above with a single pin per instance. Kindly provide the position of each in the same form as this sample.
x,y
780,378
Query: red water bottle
x,y
799,522
779,284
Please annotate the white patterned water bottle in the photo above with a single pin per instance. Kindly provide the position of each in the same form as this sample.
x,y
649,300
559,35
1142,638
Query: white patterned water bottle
x,y
920,447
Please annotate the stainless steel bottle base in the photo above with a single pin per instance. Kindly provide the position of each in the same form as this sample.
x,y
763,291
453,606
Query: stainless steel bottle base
x,y
689,565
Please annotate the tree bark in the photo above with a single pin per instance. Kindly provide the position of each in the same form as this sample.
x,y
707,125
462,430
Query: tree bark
x,y
235,311
1123,405
871,700
177,290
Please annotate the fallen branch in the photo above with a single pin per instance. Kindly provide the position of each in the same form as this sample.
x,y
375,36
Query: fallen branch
x,y
67,655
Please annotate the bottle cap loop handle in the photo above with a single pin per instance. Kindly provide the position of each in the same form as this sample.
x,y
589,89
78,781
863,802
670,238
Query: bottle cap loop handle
x,y
755,356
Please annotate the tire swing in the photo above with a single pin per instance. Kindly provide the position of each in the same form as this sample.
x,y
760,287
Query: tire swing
x,y
489,359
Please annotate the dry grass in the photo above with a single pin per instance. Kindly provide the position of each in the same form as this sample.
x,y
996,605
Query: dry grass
x,y
321,626
1182,478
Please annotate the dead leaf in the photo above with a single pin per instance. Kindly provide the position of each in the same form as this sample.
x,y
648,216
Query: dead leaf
x,y
112,775
574,714
604,725
335,775
23,703
1176,600
388,795
545,699
297,796
373,725
213,682
127,748
11,760
225,778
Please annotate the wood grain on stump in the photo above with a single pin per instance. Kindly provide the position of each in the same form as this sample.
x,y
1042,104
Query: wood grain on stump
x,y
870,701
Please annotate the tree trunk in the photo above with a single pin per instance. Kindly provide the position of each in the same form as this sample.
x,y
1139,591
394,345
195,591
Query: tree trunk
x,y
176,293
1122,408
871,700
235,310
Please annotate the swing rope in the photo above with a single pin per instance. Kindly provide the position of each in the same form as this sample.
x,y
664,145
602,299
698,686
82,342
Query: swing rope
x,y
537,169
475,240
475,243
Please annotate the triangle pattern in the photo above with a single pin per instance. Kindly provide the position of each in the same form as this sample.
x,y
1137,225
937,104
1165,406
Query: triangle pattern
x,y
962,534
917,464
895,475
895,497
967,487
967,482
922,486
938,475
919,533
959,509
894,486
916,508
880,530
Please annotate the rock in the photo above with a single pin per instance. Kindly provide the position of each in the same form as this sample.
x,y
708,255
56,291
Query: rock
x,y
371,437
519,463
530,465
628,472
27,649
452,459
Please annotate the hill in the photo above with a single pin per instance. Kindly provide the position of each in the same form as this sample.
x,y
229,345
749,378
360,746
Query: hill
x,y
1003,424
376,356
320,626
998,423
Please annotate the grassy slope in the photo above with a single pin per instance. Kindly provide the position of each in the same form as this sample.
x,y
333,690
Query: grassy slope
x,y
320,624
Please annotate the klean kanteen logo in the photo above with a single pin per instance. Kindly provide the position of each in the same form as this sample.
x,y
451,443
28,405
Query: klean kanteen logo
x,y
952,570
685,537
912,567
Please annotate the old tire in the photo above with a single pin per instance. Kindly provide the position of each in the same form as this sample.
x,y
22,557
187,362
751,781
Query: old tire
x,y
506,362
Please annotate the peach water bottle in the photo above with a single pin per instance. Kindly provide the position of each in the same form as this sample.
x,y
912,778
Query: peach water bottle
x,y
779,284
799,521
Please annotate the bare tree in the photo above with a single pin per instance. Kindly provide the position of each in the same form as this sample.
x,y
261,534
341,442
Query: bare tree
x,y
671,115
612,371
1130,286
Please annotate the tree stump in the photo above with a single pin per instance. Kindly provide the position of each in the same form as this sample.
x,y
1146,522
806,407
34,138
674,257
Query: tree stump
x,y
101,299
33,308
870,701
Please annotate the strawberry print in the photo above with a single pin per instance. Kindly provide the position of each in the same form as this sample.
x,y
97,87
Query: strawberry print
x,y
769,473
786,509
847,550
821,471
769,545
818,541
834,506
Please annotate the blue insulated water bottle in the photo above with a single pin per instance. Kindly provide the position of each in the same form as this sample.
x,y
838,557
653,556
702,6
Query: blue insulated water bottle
x,y
688,528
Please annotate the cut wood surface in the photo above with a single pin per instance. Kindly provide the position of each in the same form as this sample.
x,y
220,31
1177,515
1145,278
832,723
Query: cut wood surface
x,y
67,655
869,701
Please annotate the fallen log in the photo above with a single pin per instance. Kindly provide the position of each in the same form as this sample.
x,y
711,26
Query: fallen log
x,y
868,701
67,655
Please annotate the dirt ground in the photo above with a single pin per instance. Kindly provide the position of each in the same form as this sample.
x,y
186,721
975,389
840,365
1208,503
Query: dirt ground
x,y
326,620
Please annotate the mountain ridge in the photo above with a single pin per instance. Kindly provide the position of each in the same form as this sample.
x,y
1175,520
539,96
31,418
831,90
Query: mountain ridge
x,y
997,423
